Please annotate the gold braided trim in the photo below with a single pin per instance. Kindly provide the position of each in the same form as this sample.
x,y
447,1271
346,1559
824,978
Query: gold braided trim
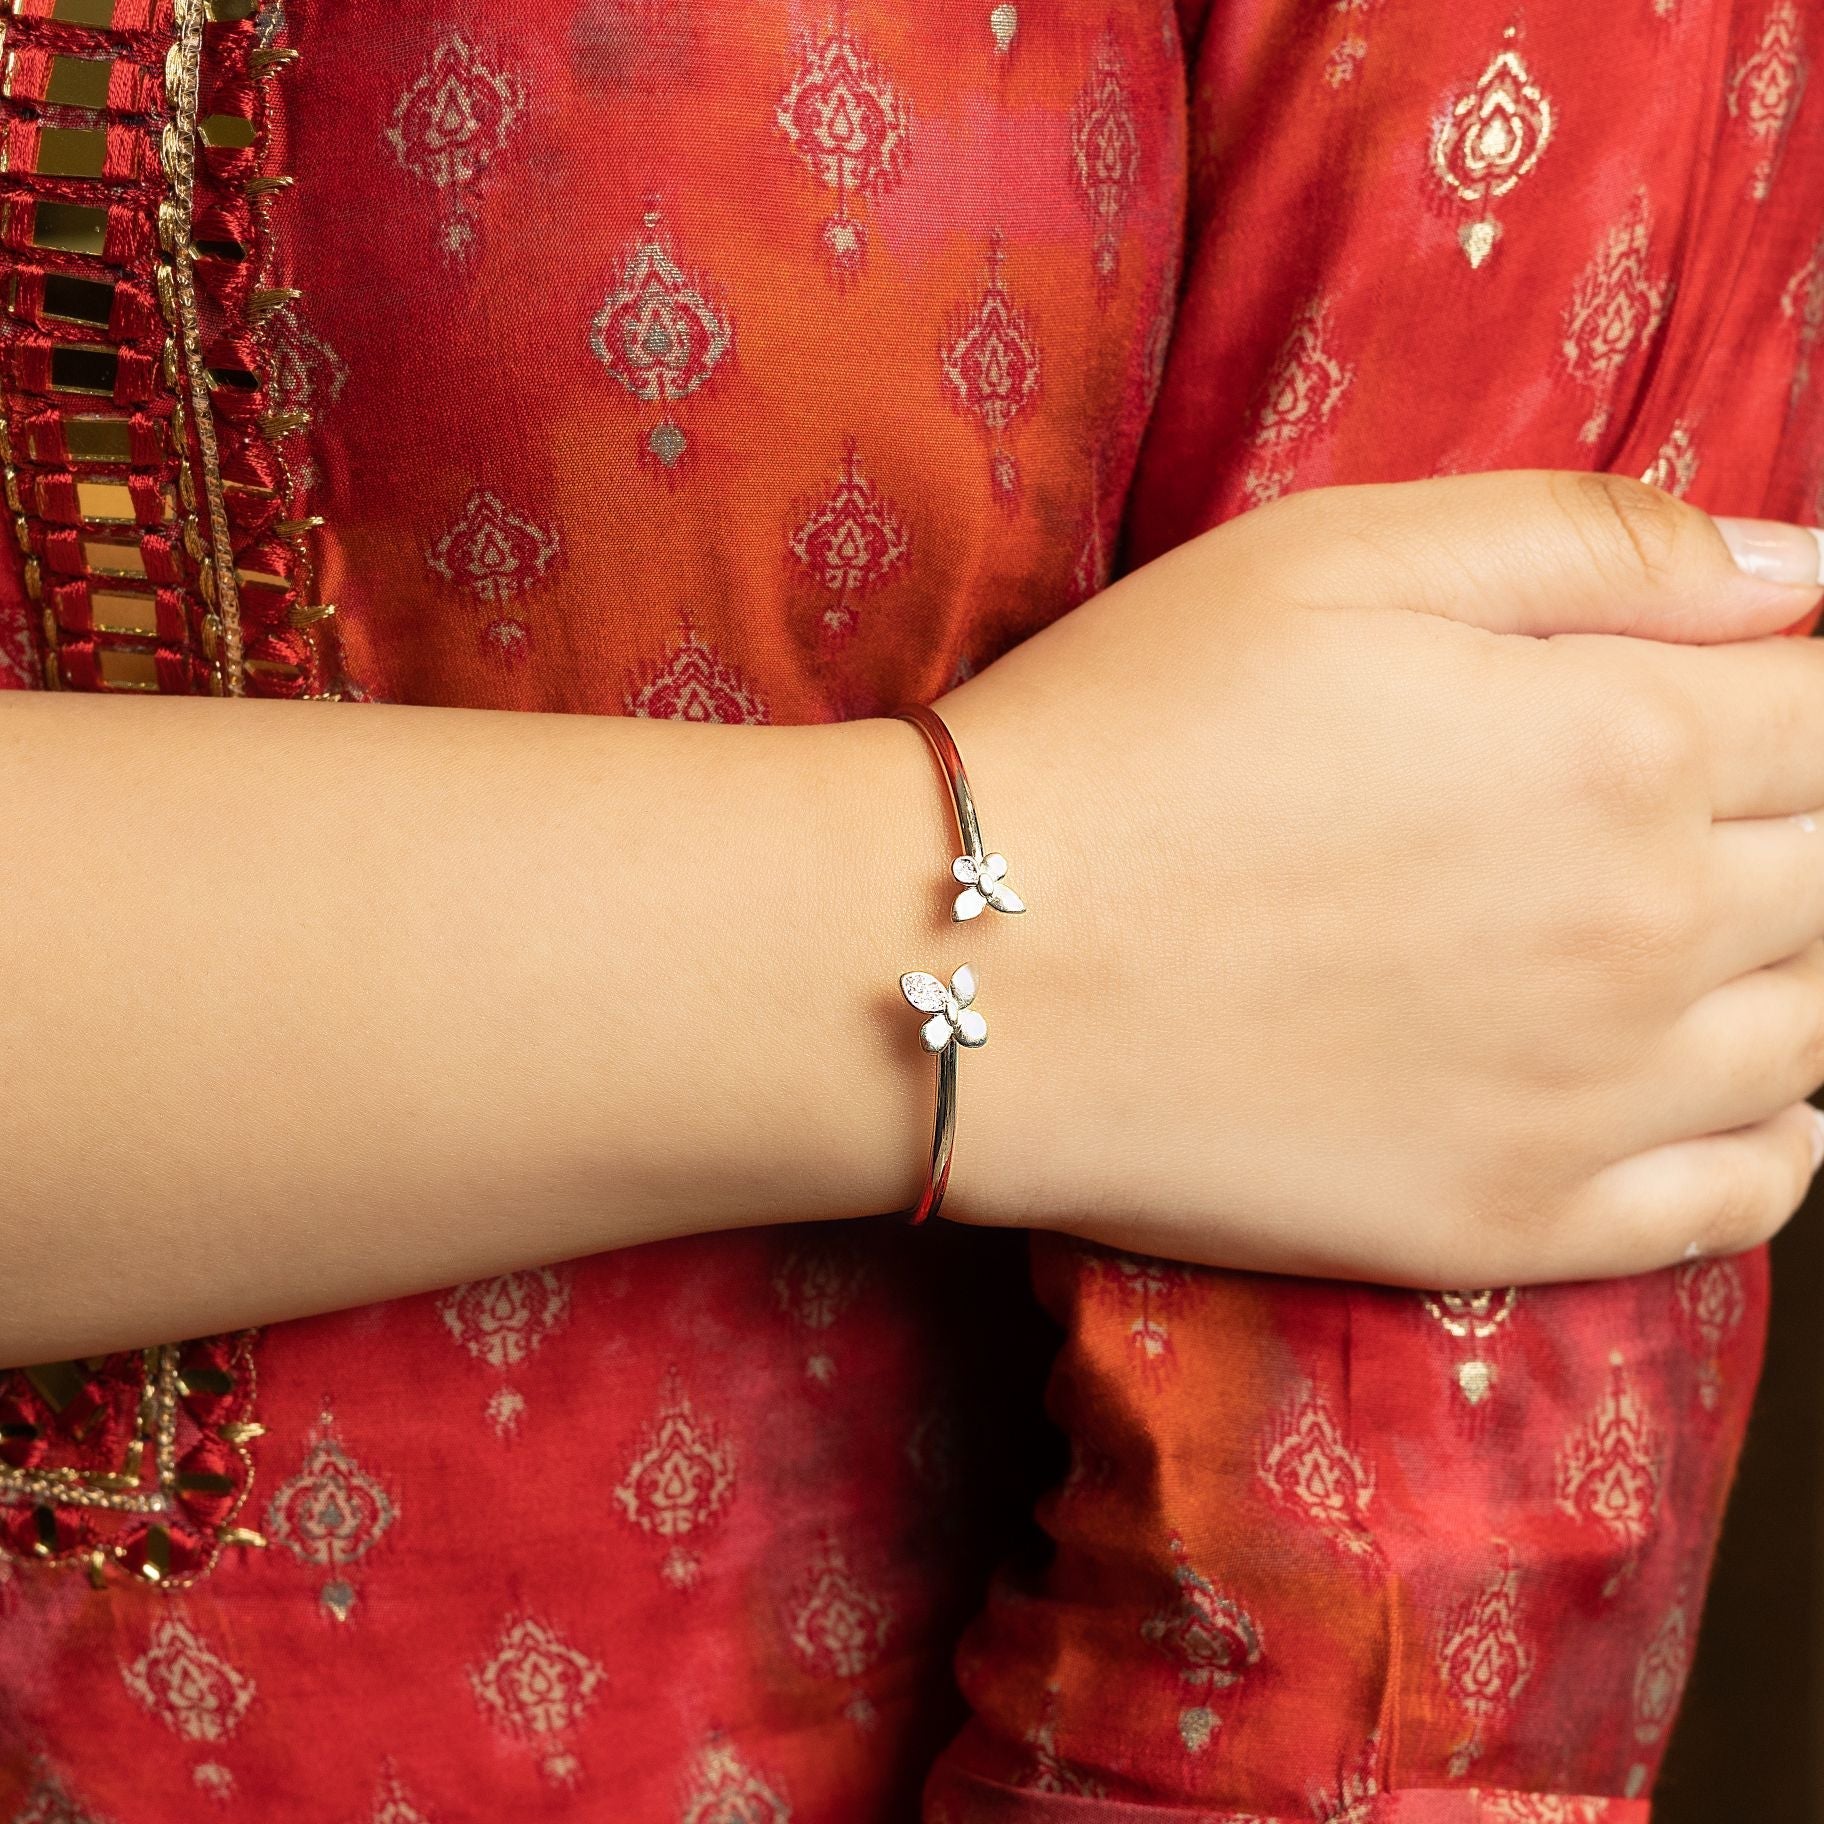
x,y
183,81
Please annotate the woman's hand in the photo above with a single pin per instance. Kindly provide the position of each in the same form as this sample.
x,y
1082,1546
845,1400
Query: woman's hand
x,y
1401,945
1363,941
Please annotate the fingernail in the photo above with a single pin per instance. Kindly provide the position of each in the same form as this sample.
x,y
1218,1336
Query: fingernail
x,y
1775,552
1817,1138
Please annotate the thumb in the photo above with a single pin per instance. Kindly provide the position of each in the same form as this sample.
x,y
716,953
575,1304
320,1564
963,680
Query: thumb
x,y
1540,551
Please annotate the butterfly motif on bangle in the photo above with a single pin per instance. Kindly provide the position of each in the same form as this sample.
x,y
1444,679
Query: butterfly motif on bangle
x,y
952,1016
984,883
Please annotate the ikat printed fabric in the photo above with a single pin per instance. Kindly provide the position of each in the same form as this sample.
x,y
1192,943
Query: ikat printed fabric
x,y
750,361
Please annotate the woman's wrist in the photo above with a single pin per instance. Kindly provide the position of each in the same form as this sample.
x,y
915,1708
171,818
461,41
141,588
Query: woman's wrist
x,y
905,824
798,1093
869,837
1023,783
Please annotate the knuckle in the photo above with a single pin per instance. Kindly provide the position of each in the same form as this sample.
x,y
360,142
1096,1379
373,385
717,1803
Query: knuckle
x,y
1638,752
1497,1229
1511,1207
1657,928
1625,941
1536,1220
1632,532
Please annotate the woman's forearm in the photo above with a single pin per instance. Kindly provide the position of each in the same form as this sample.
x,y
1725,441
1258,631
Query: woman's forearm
x,y
1338,875
303,1007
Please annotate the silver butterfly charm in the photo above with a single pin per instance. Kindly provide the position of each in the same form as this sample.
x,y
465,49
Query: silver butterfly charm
x,y
984,883
952,1016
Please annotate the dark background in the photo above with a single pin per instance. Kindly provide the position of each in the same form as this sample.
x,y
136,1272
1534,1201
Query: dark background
x,y
1750,1744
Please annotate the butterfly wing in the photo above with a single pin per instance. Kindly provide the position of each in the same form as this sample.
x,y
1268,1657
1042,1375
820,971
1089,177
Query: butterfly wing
x,y
1003,898
994,867
969,904
971,1028
965,870
962,986
938,1031
925,992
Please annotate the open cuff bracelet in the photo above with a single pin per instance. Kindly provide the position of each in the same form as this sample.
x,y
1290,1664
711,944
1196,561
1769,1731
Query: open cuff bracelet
x,y
951,1017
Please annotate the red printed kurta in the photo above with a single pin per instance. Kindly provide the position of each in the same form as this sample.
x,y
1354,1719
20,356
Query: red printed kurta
x,y
750,362
1359,1554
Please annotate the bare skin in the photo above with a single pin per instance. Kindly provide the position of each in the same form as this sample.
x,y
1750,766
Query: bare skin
x,y
1339,876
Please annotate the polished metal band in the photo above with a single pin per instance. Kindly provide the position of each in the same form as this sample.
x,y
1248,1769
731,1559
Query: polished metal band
x,y
952,1019
943,744
943,1141
980,872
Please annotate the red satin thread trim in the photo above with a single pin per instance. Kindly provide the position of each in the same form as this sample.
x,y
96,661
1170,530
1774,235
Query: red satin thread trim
x,y
129,16
135,313
128,233
132,88
130,154
58,502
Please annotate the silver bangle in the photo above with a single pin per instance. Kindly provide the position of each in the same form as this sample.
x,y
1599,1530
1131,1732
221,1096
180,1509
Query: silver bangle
x,y
981,872
952,1019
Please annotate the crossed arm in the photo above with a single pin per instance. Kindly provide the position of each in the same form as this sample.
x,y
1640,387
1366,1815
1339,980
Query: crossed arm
x,y
1516,936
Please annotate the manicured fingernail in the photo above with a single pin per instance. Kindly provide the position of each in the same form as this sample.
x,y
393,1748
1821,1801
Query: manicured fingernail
x,y
1817,1138
1774,551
